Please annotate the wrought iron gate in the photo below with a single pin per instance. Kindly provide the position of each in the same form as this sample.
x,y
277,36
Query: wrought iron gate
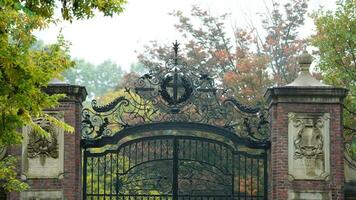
x,y
176,137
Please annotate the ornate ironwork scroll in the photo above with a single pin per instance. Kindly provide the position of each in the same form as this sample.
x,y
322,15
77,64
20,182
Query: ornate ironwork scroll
x,y
176,135
175,93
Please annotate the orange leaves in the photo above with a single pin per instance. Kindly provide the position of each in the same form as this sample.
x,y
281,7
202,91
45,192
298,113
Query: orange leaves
x,y
271,41
230,78
221,54
250,78
247,185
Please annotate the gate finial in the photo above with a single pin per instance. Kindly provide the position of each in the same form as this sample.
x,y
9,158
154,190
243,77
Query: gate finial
x,y
176,49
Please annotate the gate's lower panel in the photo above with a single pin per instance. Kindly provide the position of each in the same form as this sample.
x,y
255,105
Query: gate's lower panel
x,y
174,168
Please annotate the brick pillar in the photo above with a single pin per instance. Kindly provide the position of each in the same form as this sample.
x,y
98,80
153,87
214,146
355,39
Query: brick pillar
x,y
306,155
59,176
72,107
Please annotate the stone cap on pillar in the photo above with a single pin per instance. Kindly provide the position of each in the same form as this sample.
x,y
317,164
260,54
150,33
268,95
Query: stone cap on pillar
x,y
305,79
305,88
75,93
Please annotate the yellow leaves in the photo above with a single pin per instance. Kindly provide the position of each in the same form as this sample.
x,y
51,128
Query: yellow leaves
x,y
58,123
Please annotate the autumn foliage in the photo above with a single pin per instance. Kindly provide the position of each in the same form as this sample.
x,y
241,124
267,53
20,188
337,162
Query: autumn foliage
x,y
245,62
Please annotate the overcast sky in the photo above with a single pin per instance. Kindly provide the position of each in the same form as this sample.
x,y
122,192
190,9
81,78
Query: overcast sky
x,y
118,38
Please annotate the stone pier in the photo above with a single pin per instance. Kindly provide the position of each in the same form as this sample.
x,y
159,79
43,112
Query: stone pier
x,y
307,152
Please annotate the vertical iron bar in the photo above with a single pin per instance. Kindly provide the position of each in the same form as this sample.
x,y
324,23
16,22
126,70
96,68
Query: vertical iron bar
x,y
208,144
239,176
98,176
123,160
183,148
148,150
258,177
190,149
135,153
214,155
221,158
265,176
104,176
161,148
92,178
251,174
202,150
154,149
175,169
85,164
167,145
233,172
196,150
142,151
245,176
117,175
175,86
111,174
129,155
227,160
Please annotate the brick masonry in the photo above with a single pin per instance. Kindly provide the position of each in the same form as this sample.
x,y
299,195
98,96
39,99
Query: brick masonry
x,y
71,183
305,100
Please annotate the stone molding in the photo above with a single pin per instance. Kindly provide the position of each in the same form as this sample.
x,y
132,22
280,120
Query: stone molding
x,y
293,94
75,93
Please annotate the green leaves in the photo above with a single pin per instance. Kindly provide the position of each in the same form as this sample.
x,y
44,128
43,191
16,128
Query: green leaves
x,y
98,79
336,43
26,68
8,175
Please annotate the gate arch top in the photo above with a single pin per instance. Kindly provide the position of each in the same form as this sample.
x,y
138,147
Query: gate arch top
x,y
175,95
119,161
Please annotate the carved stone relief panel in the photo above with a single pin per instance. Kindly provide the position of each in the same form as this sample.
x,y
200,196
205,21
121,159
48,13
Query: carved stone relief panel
x,y
308,146
42,157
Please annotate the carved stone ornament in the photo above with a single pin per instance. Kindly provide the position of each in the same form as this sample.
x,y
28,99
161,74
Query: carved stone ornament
x,y
308,146
42,157
309,140
41,146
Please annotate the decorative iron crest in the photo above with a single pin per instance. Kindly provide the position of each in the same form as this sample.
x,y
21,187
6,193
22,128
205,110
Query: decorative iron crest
x,y
175,93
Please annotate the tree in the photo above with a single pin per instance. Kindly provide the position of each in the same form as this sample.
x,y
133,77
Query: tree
x,y
336,42
241,62
282,43
138,68
71,9
209,49
128,80
97,79
25,70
